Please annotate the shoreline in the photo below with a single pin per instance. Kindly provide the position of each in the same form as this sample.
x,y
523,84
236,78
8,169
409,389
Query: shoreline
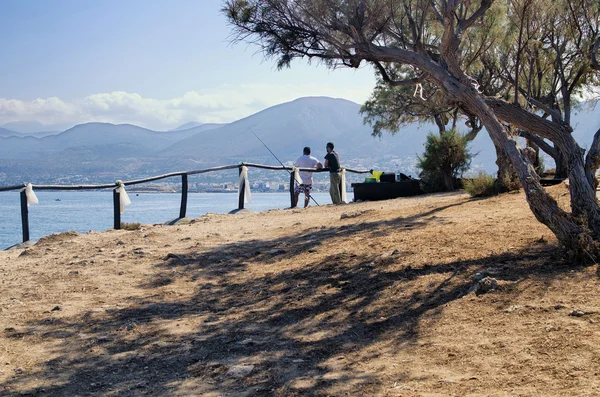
x,y
93,210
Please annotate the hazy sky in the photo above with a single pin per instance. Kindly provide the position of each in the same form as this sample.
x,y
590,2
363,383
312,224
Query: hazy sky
x,y
155,63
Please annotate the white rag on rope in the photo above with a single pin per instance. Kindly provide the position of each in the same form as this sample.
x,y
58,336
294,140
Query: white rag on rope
x,y
30,194
297,175
245,184
343,185
123,196
419,90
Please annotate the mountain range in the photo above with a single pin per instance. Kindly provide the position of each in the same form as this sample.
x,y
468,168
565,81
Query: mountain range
x,y
103,152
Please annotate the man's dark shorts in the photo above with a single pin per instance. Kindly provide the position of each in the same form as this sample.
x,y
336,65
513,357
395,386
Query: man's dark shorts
x,y
302,188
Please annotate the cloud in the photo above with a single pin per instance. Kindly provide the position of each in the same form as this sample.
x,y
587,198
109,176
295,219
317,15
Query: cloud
x,y
226,104
49,109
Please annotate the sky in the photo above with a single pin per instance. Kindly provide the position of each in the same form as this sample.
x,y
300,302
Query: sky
x,y
153,63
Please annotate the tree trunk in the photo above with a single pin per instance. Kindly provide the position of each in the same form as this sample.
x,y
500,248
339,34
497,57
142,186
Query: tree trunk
x,y
584,206
561,166
536,156
592,161
507,179
574,236
449,184
578,232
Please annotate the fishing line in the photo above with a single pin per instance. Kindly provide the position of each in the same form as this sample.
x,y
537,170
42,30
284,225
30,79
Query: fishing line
x,y
261,141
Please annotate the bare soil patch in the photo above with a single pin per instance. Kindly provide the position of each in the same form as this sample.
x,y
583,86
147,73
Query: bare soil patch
x,y
423,296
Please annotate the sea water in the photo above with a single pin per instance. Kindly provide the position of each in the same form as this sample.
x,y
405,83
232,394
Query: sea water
x,y
82,211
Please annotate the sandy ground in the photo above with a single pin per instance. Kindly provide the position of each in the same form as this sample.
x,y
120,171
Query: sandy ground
x,y
368,299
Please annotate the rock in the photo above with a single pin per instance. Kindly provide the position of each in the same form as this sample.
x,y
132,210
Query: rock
x,y
478,276
240,371
348,215
178,221
513,308
577,313
276,251
55,308
241,211
486,285
26,244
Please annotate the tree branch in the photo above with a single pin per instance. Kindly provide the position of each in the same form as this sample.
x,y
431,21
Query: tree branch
x,y
553,112
592,160
520,118
394,83
466,23
540,143
595,65
475,125
436,13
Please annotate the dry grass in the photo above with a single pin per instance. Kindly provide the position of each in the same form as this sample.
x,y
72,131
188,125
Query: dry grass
x,y
368,299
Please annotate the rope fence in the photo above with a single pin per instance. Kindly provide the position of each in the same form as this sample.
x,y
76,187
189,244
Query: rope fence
x,y
121,199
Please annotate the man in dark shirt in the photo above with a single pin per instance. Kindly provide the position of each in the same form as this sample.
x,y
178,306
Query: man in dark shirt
x,y
332,162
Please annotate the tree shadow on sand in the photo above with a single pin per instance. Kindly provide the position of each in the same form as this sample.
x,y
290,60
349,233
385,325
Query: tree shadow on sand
x,y
300,331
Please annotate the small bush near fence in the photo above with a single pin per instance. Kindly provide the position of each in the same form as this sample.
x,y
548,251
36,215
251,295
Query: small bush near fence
x,y
482,185
446,157
130,226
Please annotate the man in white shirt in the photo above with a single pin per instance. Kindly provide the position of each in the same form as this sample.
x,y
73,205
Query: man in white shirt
x,y
305,186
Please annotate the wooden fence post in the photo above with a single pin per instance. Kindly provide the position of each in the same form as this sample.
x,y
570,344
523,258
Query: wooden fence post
x,y
24,216
117,209
184,195
242,191
292,181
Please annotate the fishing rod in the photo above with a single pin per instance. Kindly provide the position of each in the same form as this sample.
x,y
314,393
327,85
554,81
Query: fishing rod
x,y
261,141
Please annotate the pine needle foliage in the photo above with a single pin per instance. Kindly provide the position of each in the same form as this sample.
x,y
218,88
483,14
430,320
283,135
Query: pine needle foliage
x,y
446,157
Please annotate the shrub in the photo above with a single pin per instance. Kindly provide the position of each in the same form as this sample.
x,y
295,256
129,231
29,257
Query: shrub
x,y
508,183
445,158
540,167
482,185
130,226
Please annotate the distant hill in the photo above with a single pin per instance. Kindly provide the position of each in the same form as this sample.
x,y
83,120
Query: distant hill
x,y
34,127
288,127
6,133
198,126
102,136
107,151
201,127
187,126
